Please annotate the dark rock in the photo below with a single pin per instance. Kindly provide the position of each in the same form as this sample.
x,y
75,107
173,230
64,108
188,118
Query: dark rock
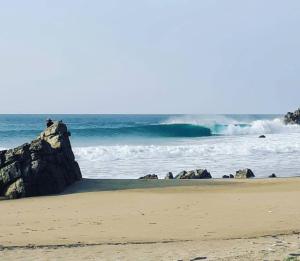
x,y
292,117
262,136
149,176
169,175
181,174
244,174
15,190
194,174
273,175
45,166
230,176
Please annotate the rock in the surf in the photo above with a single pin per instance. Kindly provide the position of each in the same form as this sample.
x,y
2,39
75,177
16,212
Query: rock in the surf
x,y
169,175
45,166
194,174
292,117
273,175
262,137
244,174
181,174
230,176
149,176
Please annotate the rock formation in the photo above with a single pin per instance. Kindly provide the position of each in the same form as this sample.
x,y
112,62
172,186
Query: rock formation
x,y
45,166
244,174
169,175
292,117
149,176
194,174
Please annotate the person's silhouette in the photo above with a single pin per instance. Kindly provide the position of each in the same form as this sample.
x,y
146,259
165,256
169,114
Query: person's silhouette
x,y
49,123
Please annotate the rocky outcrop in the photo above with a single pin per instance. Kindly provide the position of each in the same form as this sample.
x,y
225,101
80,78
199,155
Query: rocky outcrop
x,y
244,174
169,175
292,117
45,166
149,176
194,174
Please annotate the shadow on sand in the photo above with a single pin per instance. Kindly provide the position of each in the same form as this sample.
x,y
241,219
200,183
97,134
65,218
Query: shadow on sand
x,y
94,185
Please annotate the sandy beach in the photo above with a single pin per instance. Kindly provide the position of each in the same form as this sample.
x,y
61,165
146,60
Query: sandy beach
x,y
156,220
150,130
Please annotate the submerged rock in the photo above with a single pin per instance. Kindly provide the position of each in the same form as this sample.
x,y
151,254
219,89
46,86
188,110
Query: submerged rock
x,y
169,175
194,174
244,174
292,117
262,136
149,176
45,166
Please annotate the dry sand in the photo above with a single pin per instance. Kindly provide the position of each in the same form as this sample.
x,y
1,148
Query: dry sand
x,y
156,220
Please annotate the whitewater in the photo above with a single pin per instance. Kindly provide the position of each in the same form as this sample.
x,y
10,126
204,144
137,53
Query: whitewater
x,y
130,146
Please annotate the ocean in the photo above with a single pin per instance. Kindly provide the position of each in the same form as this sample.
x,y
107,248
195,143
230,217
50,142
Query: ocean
x,y
130,146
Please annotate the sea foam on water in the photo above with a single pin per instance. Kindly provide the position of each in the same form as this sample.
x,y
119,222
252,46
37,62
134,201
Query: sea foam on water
x,y
221,155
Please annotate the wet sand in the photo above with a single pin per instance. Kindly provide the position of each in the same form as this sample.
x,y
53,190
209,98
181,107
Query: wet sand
x,y
156,220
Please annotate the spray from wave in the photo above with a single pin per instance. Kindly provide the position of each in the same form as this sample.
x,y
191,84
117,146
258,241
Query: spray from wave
x,y
260,127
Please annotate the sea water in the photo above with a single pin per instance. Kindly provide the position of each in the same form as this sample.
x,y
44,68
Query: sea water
x,y
130,146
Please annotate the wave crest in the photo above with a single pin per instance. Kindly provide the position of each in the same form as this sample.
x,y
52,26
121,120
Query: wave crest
x,y
155,130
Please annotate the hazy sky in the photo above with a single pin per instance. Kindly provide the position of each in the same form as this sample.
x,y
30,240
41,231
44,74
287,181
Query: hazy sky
x,y
154,56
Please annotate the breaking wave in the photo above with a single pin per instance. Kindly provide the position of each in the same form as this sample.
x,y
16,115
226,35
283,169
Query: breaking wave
x,y
174,126
225,126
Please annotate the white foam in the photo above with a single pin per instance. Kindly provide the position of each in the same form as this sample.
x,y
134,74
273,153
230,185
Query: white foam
x,y
261,127
221,155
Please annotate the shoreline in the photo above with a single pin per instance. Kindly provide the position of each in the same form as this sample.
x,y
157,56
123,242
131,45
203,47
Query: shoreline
x,y
124,219
94,185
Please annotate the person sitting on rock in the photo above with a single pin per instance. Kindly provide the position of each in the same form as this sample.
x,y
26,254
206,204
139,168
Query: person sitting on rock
x,y
49,123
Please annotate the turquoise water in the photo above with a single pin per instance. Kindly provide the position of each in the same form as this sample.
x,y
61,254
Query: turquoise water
x,y
128,146
113,129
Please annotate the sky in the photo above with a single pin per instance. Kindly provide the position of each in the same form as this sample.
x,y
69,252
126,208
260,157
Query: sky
x,y
149,56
